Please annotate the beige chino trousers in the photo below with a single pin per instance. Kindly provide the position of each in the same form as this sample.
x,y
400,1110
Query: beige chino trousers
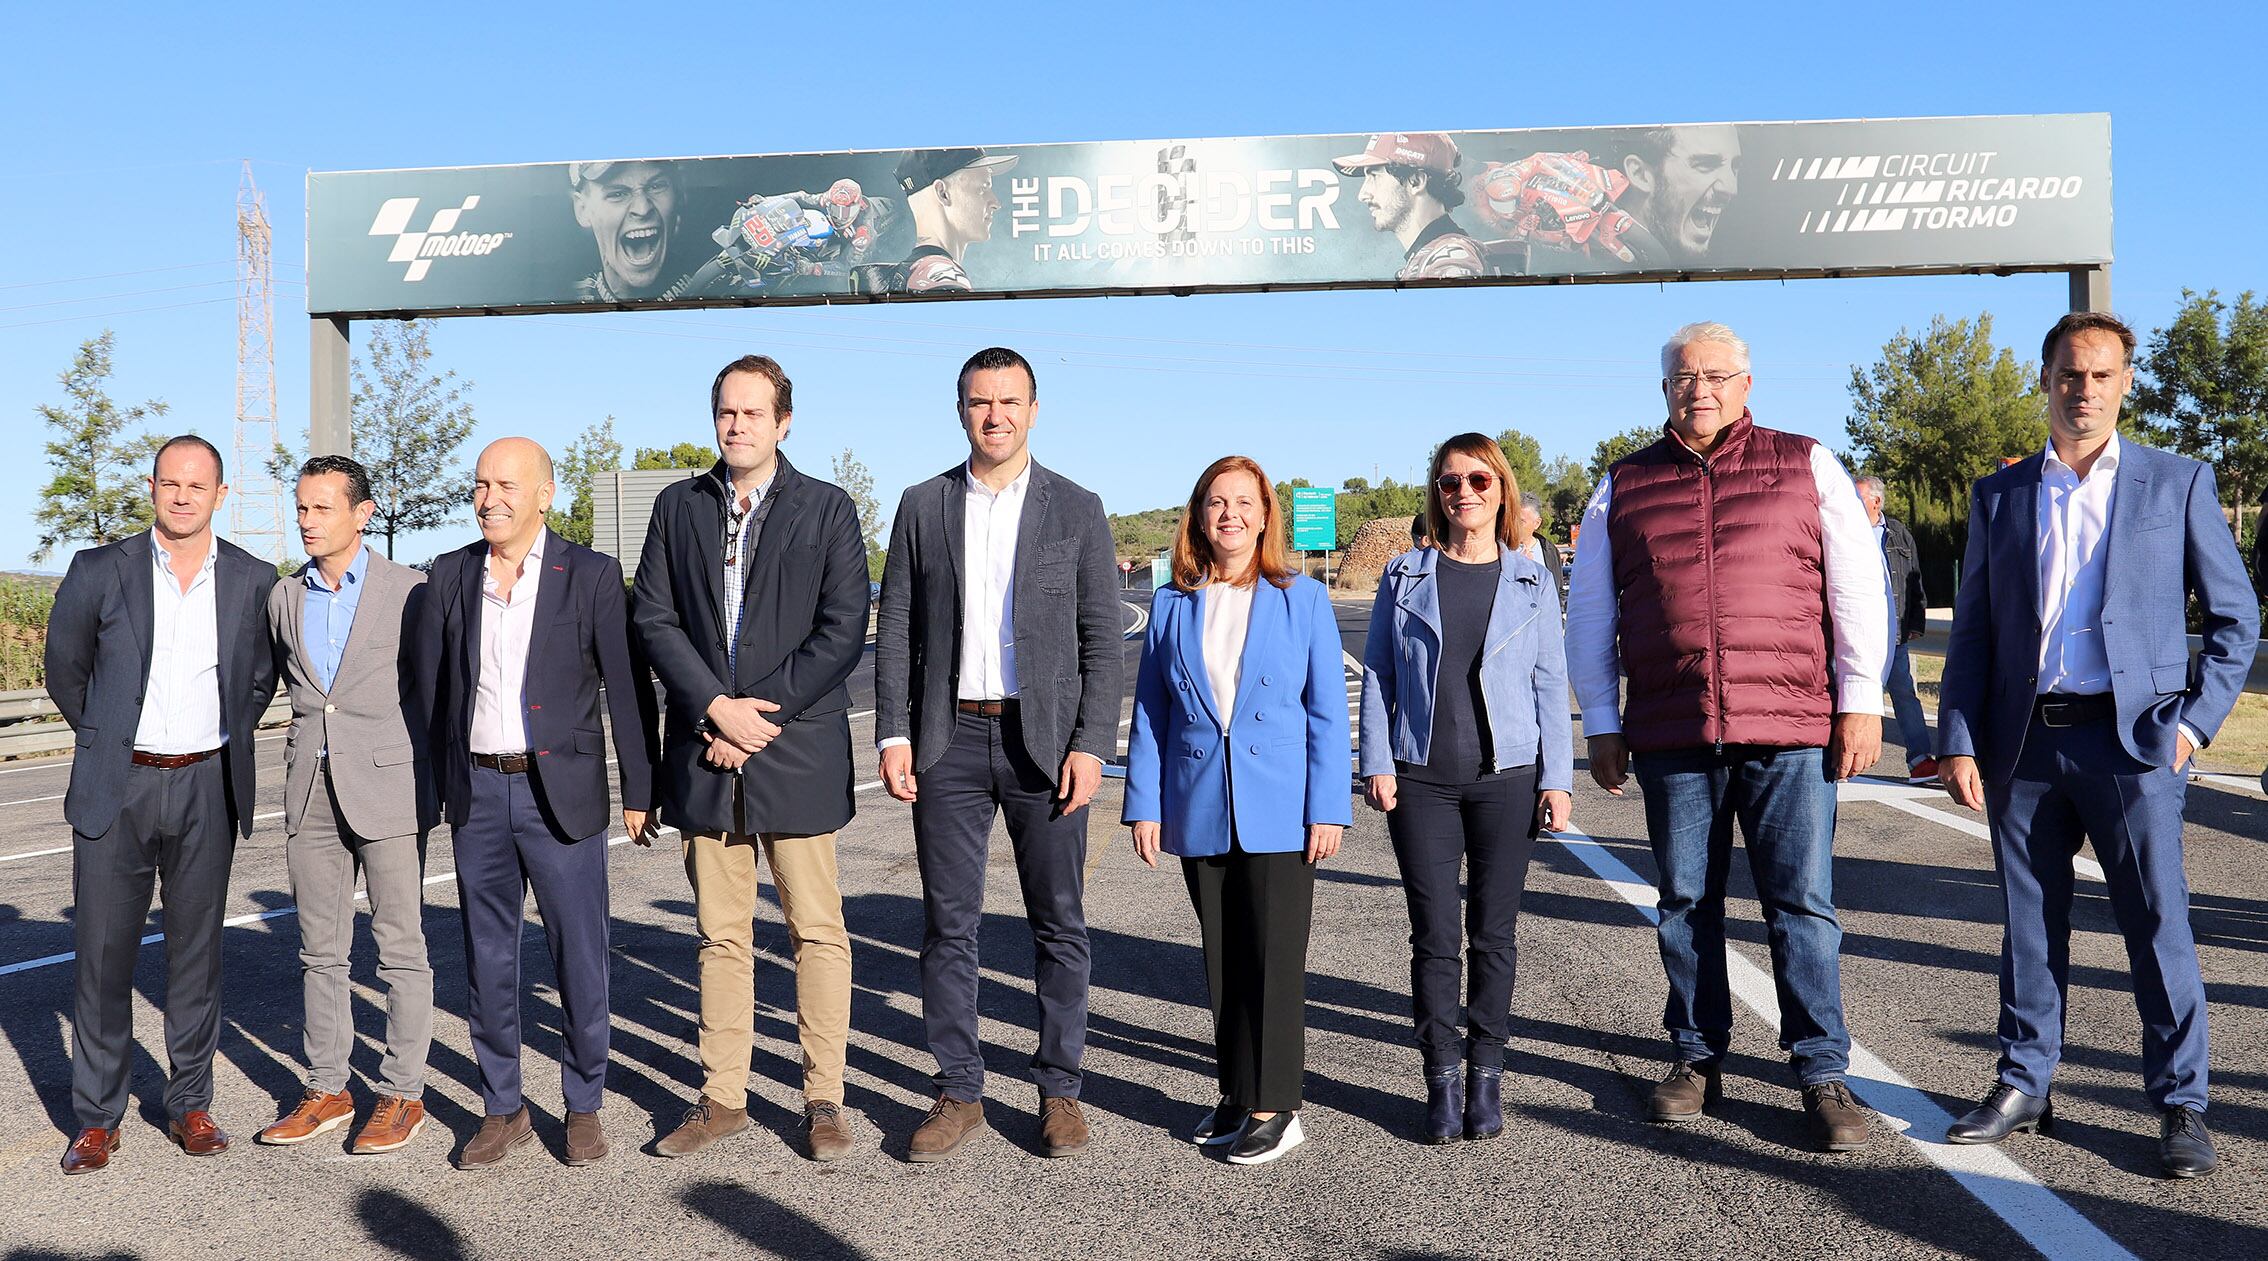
x,y
722,869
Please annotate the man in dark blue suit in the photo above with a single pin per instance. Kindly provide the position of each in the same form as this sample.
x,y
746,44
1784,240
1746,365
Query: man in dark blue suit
x,y
158,657
2070,708
519,630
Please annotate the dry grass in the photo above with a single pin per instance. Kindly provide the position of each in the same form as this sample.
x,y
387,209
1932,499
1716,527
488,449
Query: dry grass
x,y
2241,748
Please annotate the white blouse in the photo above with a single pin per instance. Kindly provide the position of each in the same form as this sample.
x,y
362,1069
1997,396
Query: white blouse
x,y
1228,615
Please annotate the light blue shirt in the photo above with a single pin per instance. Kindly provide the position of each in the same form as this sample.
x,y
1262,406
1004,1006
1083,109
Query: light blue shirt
x,y
329,616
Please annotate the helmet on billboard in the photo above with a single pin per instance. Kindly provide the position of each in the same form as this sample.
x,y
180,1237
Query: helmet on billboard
x,y
1419,150
846,201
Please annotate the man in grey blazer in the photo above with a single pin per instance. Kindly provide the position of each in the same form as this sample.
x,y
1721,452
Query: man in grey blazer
x,y
157,656
356,795
997,663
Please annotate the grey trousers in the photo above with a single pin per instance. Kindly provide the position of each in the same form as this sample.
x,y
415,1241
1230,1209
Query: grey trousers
x,y
322,857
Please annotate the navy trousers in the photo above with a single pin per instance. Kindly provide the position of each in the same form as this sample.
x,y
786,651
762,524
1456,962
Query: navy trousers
x,y
506,847
2074,783
985,773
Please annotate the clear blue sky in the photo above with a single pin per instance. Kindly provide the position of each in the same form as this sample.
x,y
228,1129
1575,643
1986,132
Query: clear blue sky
x,y
126,126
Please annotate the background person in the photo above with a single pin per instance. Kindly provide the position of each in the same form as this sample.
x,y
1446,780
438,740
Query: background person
x,y
1909,611
1243,676
1468,749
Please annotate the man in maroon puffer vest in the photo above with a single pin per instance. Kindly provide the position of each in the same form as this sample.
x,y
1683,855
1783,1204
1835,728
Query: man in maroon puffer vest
x,y
1730,572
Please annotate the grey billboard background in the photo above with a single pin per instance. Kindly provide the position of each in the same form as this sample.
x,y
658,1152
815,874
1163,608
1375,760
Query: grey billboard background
x,y
1169,216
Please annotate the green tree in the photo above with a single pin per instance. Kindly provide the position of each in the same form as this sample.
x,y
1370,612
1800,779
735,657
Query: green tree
x,y
858,483
408,425
593,452
684,455
98,493
1566,491
1939,410
1616,446
1388,499
1525,455
2205,390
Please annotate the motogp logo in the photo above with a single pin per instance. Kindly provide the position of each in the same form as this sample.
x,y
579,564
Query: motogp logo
x,y
440,239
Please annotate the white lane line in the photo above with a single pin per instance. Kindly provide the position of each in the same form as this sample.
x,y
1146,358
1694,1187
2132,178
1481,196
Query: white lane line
x,y
1141,619
2044,1219
36,853
33,801
1909,801
238,921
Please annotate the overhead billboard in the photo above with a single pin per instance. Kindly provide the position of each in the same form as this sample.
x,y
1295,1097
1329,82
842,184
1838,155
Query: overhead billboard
x,y
1690,201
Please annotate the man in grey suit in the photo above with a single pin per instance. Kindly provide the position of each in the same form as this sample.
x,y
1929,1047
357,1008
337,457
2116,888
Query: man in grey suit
x,y
997,662
356,795
157,656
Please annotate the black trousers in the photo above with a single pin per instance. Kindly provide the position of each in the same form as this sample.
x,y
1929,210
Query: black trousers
x,y
173,824
1254,911
1489,826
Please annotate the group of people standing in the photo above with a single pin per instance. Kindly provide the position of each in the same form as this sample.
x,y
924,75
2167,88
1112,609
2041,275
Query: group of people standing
x,y
1727,635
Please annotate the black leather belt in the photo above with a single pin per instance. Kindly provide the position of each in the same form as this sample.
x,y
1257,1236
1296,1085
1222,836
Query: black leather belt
x,y
508,763
171,761
2059,709
987,709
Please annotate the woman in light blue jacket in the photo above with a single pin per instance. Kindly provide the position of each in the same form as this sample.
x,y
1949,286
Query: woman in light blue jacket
x,y
1236,763
1467,747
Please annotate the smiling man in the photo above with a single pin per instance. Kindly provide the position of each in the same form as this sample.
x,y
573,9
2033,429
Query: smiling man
x,y
631,211
1681,180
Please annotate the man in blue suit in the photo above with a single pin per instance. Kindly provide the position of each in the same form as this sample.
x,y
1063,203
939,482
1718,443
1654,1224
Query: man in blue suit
x,y
2070,707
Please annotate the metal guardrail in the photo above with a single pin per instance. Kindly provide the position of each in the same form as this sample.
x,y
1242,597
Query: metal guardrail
x,y
29,725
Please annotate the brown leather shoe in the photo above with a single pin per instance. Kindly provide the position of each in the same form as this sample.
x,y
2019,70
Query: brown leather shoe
x,y
392,1124
705,1122
950,1122
198,1133
90,1152
498,1137
1063,1131
586,1142
826,1135
316,1113
1686,1091
1837,1120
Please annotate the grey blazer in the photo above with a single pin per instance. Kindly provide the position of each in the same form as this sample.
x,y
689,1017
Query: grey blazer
x,y
1070,650
372,719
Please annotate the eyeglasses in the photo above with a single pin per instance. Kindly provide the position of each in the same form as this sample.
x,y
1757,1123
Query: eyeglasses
x,y
1479,479
1687,382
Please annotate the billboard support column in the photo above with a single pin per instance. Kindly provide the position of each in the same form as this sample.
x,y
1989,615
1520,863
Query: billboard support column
x,y
330,422
2090,288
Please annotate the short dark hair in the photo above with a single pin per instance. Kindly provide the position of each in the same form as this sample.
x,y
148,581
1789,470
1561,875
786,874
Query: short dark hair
x,y
989,359
783,390
2082,322
220,469
357,477
1652,145
1445,187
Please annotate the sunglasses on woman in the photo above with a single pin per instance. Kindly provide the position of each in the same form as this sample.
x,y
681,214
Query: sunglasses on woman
x,y
1479,479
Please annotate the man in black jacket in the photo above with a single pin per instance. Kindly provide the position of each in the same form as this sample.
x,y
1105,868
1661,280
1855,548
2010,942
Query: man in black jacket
x,y
1909,611
751,604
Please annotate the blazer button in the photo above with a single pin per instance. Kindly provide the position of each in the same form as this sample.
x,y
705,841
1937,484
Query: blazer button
x,y
1267,680
1259,716
1253,749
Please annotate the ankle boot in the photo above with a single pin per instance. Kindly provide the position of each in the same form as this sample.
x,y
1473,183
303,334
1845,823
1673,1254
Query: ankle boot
x,y
1484,1107
1444,1104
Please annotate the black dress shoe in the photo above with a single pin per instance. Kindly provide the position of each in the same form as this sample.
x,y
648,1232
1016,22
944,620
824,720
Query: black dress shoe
x,y
2005,1110
2184,1148
1445,1104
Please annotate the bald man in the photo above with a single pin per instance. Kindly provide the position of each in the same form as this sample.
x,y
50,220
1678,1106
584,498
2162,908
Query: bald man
x,y
518,632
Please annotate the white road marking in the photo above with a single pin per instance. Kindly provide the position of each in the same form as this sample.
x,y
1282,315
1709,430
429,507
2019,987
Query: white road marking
x,y
33,801
1909,800
2044,1219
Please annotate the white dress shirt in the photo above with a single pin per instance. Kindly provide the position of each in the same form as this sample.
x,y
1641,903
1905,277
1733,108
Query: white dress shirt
x,y
499,723
990,521
181,708
1228,616
1858,595
2073,526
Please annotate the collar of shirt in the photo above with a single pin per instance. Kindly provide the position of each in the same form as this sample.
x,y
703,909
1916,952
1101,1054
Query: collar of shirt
x,y
1015,486
528,565
732,496
352,578
164,559
2105,463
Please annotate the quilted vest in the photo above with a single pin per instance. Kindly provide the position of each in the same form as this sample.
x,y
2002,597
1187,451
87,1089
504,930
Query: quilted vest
x,y
1721,593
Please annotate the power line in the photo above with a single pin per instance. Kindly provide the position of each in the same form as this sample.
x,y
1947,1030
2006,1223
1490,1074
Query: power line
x,y
104,315
111,275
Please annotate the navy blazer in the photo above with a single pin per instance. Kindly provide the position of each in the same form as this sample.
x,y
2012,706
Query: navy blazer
x,y
1278,762
2167,541
581,638
98,665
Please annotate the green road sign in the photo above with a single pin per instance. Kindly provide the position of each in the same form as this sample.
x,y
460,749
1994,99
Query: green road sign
x,y
1315,518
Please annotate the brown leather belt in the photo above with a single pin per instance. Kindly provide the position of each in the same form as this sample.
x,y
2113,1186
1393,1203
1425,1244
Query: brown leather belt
x,y
987,709
507,763
171,761
2060,709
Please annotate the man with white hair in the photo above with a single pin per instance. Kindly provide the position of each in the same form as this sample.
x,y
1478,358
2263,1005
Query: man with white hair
x,y
1730,572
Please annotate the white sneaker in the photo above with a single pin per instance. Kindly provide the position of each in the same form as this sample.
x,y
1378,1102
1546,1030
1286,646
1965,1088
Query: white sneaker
x,y
1263,1141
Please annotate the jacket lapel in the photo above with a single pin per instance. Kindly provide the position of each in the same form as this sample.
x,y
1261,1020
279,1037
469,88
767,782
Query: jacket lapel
x,y
295,624
229,582
1031,527
377,580
2022,510
1189,646
952,513
1418,593
2128,508
550,600
1271,604
134,562
473,595
707,530
1512,612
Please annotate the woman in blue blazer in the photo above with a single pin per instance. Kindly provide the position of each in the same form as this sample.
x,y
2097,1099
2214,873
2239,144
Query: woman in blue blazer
x,y
1467,747
1237,765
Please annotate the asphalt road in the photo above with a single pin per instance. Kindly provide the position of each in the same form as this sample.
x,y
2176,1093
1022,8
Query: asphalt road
x,y
1579,1172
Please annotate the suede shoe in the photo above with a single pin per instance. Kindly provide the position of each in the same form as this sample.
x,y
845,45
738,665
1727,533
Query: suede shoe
x,y
1689,1088
499,1137
949,1124
586,1142
2004,1111
392,1124
91,1151
198,1134
1063,1130
1444,1104
316,1113
1220,1126
705,1122
2184,1147
826,1134
1923,774
1484,1102
1837,1120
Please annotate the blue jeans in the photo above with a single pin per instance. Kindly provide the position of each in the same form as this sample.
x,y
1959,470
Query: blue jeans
x,y
1913,726
1786,810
